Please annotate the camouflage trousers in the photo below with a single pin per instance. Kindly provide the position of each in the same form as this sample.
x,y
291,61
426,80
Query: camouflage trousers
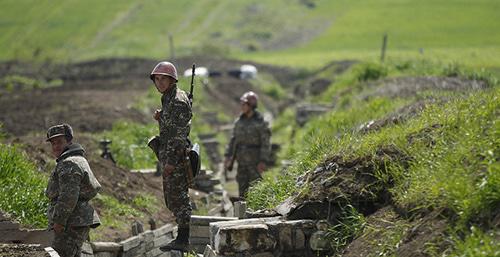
x,y
69,242
175,192
246,175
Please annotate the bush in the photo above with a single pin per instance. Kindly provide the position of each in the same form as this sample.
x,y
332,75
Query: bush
x,y
22,188
129,145
371,71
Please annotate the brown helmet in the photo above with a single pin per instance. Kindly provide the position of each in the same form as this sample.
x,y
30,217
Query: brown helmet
x,y
251,98
164,68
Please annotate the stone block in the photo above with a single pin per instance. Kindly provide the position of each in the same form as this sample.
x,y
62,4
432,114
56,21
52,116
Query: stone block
x,y
149,245
215,226
164,230
106,247
154,252
131,242
319,241
199,240
136,251
209,252
105,254
285,238
243,238
161,241
206,220
51,252
148,235
8,225
299,239
240,209
87,248
199,231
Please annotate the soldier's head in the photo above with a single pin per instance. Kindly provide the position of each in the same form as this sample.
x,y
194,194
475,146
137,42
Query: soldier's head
x,y
249,101
164,75
59,136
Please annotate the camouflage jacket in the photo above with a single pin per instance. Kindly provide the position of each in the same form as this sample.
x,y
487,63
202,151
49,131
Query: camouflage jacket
x,y
71,185
250,141
175,124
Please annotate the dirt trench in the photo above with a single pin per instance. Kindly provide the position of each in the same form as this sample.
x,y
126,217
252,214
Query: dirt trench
x,y
92,97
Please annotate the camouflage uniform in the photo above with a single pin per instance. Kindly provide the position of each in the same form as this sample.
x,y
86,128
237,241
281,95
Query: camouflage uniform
x,y
250,144
71,185
175,123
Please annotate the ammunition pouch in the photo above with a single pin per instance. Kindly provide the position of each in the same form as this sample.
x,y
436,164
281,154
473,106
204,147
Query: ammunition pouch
x,y
154,144
194,159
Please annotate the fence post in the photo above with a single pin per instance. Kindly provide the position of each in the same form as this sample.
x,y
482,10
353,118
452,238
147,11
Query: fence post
x,y
171,43
384,46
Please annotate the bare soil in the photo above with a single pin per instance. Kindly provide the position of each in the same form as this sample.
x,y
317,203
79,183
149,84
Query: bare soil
x,y
22,250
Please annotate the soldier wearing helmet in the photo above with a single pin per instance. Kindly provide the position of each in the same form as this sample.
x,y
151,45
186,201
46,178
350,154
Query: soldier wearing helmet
x,y
249,144
71,185
174,119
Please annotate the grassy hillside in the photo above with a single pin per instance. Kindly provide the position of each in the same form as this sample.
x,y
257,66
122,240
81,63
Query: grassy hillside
x,y
449,30
422,151
303,33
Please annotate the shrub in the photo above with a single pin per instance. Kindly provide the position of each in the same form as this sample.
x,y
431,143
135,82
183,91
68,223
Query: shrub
x,y
22,188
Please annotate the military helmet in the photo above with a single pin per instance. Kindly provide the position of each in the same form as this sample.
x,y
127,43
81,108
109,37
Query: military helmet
x,y
164,68
250,98
60,130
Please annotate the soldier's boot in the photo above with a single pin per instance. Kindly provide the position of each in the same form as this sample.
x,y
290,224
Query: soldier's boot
x,y
181,243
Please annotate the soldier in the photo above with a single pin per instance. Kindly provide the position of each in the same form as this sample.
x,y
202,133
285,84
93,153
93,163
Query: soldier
x,y
70,188
249,144
175,122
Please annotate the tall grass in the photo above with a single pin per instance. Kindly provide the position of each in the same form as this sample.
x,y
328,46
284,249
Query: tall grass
x,y
455,164
22,188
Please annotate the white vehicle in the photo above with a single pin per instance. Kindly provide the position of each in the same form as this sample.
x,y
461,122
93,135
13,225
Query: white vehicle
x,y
199,72
248,71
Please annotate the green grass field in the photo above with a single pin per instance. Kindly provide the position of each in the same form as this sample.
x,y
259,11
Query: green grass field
x,y
278,32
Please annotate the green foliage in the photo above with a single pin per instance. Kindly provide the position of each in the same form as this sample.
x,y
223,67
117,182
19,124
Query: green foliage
x,y
11,82
455,163
389,237
350,225
455,70
370,71
114,214
129,145
322,135
269,86
274,188
22,188
478,243
147,201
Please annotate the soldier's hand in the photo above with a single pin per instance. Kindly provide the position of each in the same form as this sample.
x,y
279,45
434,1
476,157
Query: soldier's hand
x,y
157,114
261,167
168,169
58,228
